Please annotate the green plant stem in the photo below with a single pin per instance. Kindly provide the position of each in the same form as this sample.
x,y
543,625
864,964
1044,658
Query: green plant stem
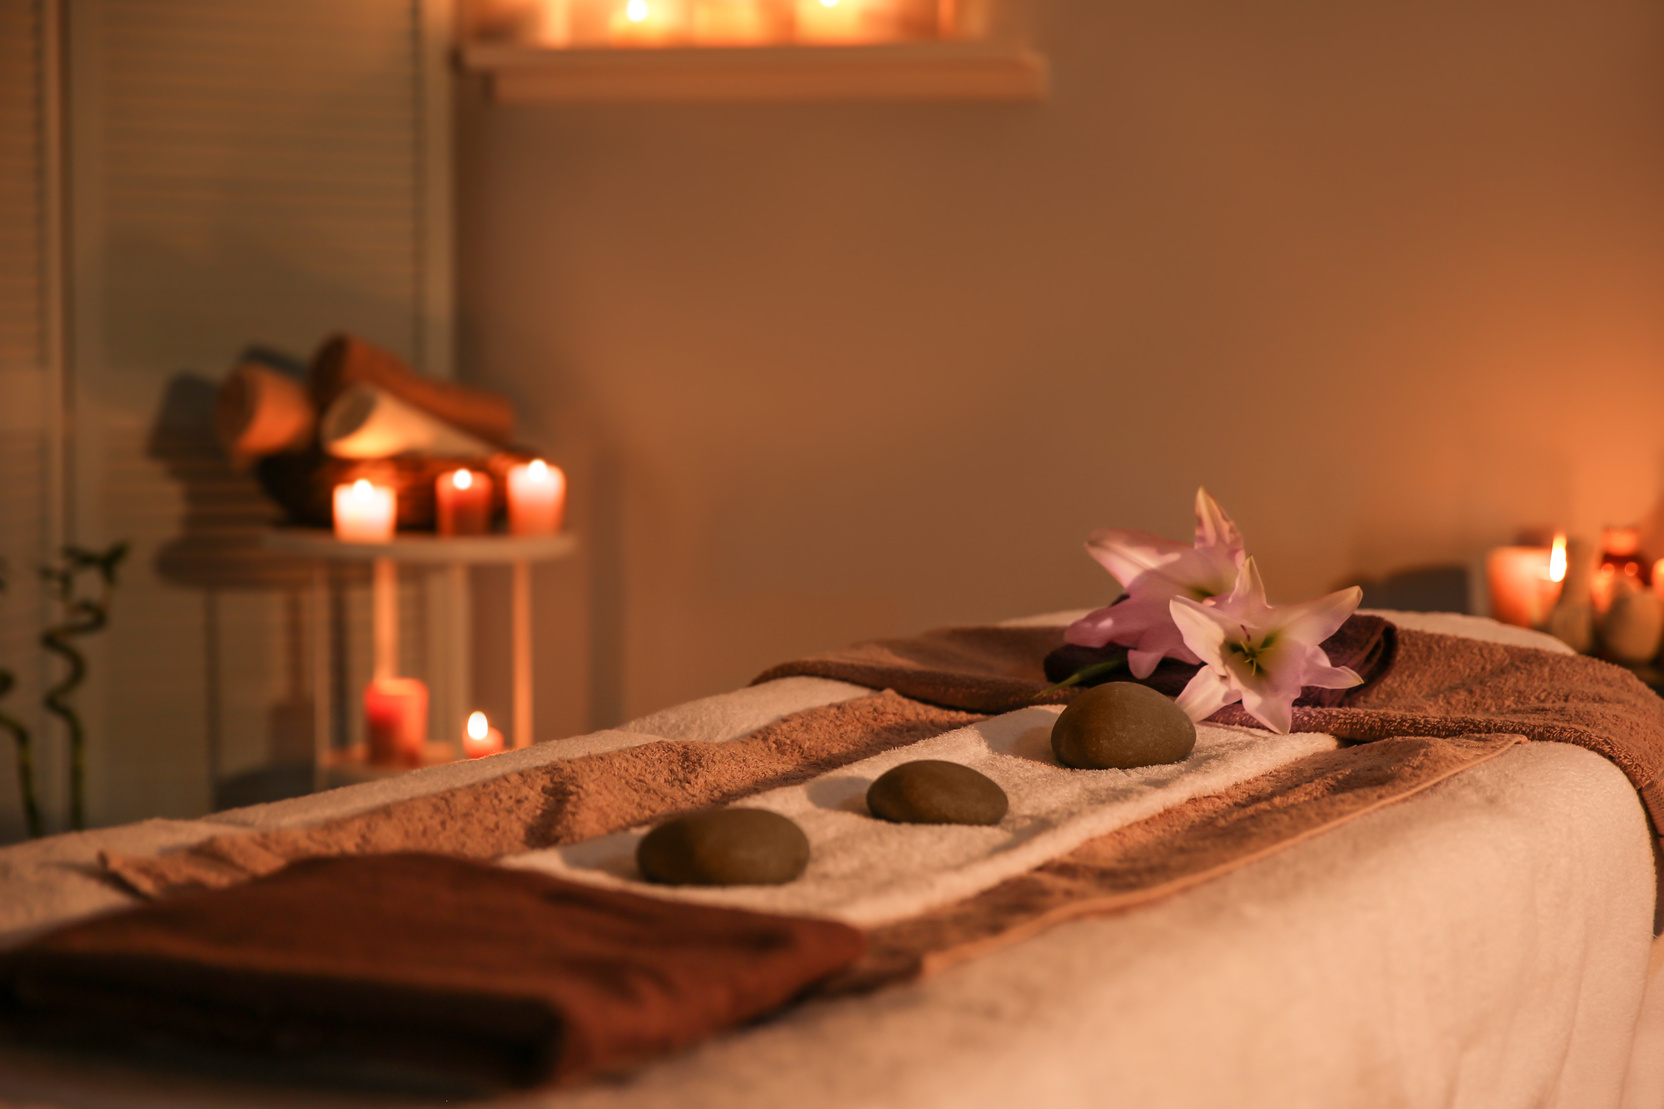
x,y
25,760
85,617
1084,674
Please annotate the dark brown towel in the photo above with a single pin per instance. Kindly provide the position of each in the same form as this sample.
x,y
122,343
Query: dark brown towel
x,y
1366,644
998,669
562,802
436,965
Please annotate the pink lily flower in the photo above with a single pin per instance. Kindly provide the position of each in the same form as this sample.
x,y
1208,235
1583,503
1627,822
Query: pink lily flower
x,y
1261,654
1154,571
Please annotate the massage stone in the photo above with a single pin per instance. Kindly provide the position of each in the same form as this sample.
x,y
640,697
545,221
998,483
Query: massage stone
x,y
930,791
724,847
1121,725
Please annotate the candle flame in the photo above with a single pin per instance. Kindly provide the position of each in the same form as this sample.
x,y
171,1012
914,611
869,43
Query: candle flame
x,y
477,726
462,479
1557,558
828,3
538,468
362,488
636,10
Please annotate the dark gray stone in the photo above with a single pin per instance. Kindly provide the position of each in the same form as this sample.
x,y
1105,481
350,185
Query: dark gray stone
x,y
724,847
930,791
1120,725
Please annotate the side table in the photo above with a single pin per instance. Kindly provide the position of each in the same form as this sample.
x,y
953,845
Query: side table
x,y
455,554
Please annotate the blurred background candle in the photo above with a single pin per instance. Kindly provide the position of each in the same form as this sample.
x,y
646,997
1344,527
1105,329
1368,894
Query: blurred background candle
x,y
844,20
1525,582
396,721
462,502
647,23
364,512
732,22
536,498
479,738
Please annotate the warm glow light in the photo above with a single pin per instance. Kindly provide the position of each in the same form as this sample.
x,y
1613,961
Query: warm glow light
x,y
636,10
538,468
462,479
362,489
477,726
1557,558
828,3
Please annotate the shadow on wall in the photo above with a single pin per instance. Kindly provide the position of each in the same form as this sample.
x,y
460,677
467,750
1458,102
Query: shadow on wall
x,y
216,552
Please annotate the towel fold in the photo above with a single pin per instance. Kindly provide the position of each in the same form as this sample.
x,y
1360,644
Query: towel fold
x,y
1000,669
436,966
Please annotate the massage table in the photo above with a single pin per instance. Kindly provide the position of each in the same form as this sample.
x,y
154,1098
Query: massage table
x,y
1486,942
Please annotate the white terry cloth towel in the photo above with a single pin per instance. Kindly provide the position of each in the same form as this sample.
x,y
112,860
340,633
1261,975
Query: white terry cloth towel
x,y
868,871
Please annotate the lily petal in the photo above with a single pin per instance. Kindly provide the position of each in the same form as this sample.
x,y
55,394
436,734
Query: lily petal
x,y
1205,694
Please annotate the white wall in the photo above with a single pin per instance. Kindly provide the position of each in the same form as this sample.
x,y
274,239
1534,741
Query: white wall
x,y
1387,278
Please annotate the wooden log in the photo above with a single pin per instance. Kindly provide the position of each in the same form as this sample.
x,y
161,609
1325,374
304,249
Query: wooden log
x,y
259,411
345,360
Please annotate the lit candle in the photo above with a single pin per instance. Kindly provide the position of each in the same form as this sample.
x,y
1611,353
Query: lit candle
x,y
1525,582
396,720
843,21
536,498
646,23
479,738
731,22
364,512
463,502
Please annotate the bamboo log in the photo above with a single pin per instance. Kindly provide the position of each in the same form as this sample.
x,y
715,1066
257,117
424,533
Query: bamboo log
x,y
346,360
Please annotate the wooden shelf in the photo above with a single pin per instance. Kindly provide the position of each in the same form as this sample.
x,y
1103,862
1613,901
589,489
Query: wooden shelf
x,y
943,71
320,543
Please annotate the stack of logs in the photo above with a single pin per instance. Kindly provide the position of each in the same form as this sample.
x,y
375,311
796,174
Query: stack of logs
x,y
361,413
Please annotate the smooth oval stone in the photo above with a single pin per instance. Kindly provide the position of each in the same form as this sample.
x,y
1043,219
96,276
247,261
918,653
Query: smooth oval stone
x,y
724,847
1120,725
930,791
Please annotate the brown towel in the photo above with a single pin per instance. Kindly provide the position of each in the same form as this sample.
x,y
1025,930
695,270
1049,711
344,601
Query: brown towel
x,y
1425,685
439,966
998,669
1366,644
563,802
1170,852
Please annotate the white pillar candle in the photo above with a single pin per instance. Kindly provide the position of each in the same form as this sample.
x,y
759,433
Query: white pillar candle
x,y
536,498
364,512
647,23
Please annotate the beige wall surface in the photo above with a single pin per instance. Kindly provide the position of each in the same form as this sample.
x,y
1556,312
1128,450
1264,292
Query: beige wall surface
x,y
1387,278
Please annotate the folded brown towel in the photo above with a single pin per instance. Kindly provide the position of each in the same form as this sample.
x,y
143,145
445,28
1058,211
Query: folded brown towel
x,y
438,966
562,802
999,669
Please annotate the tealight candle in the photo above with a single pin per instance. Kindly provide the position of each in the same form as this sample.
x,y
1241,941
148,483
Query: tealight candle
x,y
646,23
1525,582
731,22
536,498
364,512
842,21
463,502
479,738
396,721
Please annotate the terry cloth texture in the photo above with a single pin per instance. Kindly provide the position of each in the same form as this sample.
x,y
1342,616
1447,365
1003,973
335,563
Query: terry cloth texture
x,y
562,802
1435,685
1164,854
435,964
999,669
